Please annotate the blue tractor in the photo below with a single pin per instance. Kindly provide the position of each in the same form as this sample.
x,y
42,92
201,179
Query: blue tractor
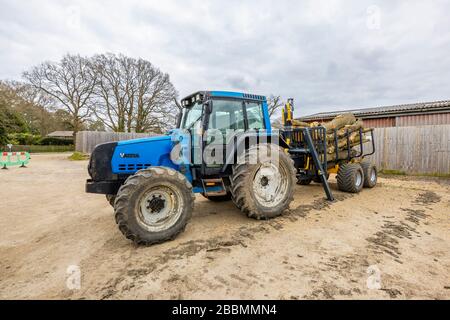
x,y
224,149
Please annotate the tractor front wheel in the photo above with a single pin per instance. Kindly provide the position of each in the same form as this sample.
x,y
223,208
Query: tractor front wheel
x,y
262,183
154,205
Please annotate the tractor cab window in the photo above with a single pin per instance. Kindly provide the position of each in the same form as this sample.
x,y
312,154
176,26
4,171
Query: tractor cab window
x,y
192,116
255,116
227,115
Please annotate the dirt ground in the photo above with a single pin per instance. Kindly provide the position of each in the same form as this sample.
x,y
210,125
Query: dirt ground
x,y
397,233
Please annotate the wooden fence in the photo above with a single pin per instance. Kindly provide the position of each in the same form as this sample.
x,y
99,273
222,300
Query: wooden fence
x,y
87,140
416,150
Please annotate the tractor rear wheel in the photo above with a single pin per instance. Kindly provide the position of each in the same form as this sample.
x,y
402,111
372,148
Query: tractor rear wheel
x,y
350,177
111,198
370,174
263,180
154,205
223,198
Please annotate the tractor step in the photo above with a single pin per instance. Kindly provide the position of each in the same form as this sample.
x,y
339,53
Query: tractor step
x,y
214,187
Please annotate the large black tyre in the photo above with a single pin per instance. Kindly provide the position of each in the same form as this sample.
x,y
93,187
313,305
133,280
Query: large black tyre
x,y
350,177
223,198
252,182
111,198
370,174
154,205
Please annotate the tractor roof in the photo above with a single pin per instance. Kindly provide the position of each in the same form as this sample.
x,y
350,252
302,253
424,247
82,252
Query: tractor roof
x,y
204,95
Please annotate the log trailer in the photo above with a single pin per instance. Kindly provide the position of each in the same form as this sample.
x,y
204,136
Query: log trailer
x,y
151,182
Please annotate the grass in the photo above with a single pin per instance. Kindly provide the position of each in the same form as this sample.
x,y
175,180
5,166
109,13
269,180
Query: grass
x,y
402,173
78,156
393,172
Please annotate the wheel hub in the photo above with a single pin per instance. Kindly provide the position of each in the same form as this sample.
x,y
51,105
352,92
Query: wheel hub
x,y
373,176
159,208
269,184
156,204
359,179
264,181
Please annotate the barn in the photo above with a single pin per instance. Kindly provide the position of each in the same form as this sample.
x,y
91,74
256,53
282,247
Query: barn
x,y
405,115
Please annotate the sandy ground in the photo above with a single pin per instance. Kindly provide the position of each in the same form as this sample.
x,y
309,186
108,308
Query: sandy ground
x,y
397,233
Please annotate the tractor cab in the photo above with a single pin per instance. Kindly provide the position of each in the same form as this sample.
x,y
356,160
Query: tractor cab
x,y
214,120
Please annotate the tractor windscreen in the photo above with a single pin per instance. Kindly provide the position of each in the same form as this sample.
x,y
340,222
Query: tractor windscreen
x,y
192,115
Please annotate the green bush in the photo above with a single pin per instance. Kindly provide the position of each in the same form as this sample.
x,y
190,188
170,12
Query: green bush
x,y
39,149
52,141
23,138
3,136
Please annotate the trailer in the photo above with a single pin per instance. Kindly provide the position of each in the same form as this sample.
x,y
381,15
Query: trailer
x,y
308,147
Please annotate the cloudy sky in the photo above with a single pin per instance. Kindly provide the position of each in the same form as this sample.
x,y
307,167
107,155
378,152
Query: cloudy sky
x,y
328,55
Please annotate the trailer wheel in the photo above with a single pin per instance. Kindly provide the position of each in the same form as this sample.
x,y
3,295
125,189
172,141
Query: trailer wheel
x,y
111,198
304,182
350,177
262,183
154,205
223,198
370,174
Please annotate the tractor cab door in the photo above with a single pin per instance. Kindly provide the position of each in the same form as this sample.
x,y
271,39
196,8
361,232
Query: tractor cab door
x,y
228,118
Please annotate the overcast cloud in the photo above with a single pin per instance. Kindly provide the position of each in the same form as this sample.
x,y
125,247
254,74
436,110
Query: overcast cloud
x,y
328,55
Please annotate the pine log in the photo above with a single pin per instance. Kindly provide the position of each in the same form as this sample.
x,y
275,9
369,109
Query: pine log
x,y
343,131
342,155
297,123
339,122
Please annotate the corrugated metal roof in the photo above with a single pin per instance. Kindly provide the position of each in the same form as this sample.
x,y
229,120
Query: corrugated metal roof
x,y
388,110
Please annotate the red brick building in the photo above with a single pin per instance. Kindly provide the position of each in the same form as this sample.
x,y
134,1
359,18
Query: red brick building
x,y
416,114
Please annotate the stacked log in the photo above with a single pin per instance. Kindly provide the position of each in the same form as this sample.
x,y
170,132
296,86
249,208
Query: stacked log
x,y
347,130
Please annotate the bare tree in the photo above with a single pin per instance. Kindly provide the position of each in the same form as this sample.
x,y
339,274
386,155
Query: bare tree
x,y
110,93
131,94
70,82
154,97
32,95
173,117
274,103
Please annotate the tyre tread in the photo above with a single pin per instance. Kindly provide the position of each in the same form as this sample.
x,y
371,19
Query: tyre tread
x,y
124,193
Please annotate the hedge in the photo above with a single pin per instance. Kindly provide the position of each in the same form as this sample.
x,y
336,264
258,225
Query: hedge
x,y
38,149
51,141
30,139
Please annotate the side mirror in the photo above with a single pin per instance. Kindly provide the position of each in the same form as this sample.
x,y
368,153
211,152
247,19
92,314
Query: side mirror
x,y
208,107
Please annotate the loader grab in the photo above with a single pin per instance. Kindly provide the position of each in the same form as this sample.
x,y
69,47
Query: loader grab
x,y
225,148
